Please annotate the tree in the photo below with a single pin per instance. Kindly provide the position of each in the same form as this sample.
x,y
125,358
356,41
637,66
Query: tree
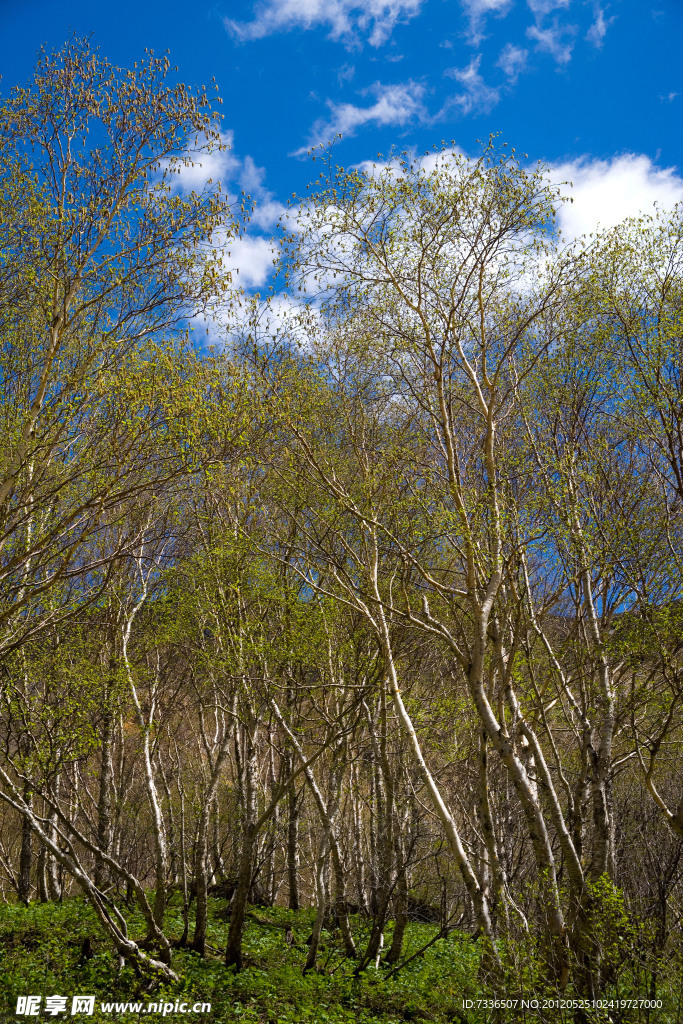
x,y
638,293
440,290
103,263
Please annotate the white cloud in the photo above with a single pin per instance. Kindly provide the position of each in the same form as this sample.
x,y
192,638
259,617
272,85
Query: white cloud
x,y
232,172
603,192
551,40
477,94
606,192
512,61
284,315
251,177
267,210
429,162
477,10
394,104
346,19
220,166
278,316
443,158
596,33
541,8
251,258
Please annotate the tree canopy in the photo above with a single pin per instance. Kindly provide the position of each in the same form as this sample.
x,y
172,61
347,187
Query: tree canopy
x,y
378,613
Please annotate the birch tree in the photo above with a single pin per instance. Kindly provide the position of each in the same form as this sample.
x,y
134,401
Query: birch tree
x,y
433,279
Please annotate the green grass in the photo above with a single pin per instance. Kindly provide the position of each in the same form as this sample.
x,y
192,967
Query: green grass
x,y
40,950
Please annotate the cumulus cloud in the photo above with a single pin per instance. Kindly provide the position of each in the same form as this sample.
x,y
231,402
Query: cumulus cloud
x,y
512,62
219,166
267,210
282,314
251,258
605,192
477,11
233,172
394,104
477,95
347,20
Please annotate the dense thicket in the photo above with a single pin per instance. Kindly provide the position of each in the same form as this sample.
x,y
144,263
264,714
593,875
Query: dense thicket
x,y
378,612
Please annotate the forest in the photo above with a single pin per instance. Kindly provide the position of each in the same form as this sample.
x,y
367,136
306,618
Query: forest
x,y
341,659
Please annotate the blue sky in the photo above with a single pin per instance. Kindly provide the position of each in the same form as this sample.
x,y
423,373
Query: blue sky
x,y
593,88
